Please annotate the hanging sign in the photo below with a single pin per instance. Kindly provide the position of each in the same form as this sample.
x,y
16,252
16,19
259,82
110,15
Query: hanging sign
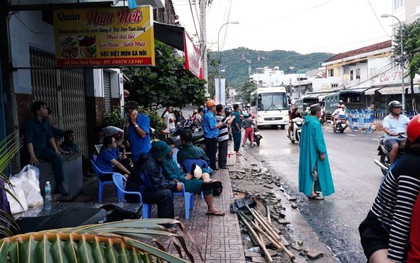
x,y
192,57
104,37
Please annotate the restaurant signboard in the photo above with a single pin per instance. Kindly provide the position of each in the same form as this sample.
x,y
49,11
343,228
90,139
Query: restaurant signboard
x,y
104,37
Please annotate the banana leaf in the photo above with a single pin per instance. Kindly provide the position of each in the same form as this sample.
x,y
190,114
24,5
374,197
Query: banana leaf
x,y
108,242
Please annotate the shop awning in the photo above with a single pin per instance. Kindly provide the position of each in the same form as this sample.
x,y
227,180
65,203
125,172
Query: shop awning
x,y
352,90
170,35
390,90
177,37
371,91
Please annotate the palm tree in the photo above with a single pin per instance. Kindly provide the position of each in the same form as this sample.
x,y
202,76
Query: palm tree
x,y
8,149
122,241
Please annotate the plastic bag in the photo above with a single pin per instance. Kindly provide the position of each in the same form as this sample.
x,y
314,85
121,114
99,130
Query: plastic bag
x,y
30,176
19,194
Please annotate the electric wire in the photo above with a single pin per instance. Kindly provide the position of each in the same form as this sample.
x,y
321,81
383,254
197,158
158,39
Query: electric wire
x,y
377,18
193,18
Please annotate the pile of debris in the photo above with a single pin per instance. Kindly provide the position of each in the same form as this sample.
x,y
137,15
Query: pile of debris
x,y
262,214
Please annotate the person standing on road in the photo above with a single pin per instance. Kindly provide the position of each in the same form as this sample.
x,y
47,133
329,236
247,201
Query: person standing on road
x,y
314,167
394,124
138,126
236,129
211,132
384,233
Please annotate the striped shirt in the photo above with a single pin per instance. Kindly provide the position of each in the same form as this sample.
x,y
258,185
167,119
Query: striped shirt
x,y
394,204
223,130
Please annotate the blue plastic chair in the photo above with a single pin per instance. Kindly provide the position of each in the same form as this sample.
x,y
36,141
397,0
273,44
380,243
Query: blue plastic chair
x,y
188,164
188,200
119,179
101,183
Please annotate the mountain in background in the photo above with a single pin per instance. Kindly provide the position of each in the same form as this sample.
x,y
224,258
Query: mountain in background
x,y
236,62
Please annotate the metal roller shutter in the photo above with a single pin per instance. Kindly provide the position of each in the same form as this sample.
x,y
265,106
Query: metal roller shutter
x,y
64,92
107,91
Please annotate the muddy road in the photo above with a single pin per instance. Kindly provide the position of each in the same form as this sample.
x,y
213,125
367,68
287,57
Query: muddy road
x,y
356,180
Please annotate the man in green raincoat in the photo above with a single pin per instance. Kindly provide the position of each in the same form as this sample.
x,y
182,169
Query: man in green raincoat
x,y
314,167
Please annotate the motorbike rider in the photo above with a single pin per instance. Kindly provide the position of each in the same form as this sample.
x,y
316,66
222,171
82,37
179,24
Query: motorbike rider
x,y
394,124
293,113
385,233
340,112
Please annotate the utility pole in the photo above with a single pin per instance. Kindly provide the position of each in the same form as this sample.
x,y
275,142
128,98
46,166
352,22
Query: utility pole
x,y
203,41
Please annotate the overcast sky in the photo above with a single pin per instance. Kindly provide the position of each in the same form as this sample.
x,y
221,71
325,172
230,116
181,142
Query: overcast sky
x,y
304,26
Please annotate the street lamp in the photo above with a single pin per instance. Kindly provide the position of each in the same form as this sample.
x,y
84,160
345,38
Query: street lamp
x,y
220,58
402,59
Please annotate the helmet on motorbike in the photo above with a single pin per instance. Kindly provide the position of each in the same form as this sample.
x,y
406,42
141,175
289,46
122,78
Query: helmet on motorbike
x,y
246,115
210,103
413,129
394,104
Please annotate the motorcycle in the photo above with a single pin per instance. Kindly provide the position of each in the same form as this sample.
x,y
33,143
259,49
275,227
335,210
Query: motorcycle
x,y
384,153
296,129
197,135
341,124
257,136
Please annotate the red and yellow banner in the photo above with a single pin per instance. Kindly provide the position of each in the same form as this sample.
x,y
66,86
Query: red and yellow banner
x,y
104,37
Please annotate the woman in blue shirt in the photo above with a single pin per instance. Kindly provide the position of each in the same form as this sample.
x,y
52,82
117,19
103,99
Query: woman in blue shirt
x,y
108,159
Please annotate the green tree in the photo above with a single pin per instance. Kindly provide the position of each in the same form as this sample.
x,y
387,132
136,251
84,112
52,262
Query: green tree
x,y
168,83
411,41
246,90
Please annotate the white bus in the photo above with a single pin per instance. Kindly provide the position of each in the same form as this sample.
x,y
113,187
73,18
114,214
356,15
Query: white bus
x,y
270,106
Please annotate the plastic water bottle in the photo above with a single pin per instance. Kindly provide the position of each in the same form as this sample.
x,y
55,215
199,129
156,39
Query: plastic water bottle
x,y
48,197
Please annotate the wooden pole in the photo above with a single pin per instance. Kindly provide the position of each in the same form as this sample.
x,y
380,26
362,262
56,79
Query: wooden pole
x,y
254,234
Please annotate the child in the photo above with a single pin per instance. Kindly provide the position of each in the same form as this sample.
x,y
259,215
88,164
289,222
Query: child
x,y
248,125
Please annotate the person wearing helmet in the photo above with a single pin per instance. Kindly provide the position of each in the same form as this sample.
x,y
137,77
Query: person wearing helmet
x,y
340,112
394,124
385,232
293,113
211,132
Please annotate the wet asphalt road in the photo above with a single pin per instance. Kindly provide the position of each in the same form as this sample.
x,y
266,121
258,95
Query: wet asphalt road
x,y
356,180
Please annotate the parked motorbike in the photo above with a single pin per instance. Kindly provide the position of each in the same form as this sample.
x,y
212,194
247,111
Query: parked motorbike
x,y
197,135
257,136
341,124
384,152
296,129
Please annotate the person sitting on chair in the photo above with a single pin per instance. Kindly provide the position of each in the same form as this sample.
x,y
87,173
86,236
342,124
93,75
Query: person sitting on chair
x,y
189,151
192,184
109,159
148,179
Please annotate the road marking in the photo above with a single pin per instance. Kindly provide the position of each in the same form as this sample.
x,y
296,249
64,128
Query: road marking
x,y
352,135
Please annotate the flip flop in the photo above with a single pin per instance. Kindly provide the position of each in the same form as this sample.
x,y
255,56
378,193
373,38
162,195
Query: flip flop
x,y
238,154
216,213
316,197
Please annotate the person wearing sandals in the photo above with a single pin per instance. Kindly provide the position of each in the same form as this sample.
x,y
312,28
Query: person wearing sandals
x,y
385,232
236,129
148,179
193,185
314,168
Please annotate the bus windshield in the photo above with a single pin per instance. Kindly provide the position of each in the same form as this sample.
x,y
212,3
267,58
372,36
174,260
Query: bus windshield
x,y
272,101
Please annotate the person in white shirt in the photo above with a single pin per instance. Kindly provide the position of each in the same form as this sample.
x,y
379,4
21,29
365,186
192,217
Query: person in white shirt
x,y
341,110
394,124
170,119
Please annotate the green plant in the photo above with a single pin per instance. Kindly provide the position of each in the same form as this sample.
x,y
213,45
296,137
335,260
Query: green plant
x,y
109,242
8,149
114,118
168,83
